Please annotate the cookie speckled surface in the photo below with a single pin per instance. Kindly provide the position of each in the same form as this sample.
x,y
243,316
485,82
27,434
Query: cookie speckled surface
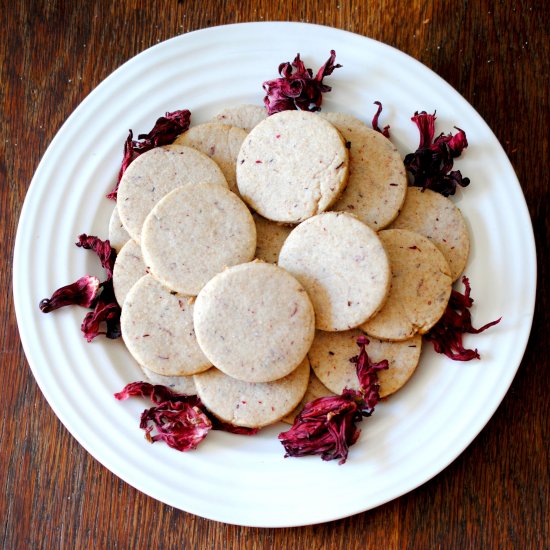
x,y
157,328
118,236
377,179
129,269
343,266
420,288
291,166
244,116
220,142
254,322
195,232
437,218
154,174
250,404
179,384
331,352
270,237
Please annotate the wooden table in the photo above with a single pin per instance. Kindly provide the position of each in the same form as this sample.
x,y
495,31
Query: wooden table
x,y
54,495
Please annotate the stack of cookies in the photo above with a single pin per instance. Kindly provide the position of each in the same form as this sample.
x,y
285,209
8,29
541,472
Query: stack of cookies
x,y
254,251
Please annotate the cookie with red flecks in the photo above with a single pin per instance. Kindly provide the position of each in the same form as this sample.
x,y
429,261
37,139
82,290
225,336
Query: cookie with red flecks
x,y
220,142
437,218
291,166
245,116
377,179
193,233
343,266
420,287
154,174
251,404
254,322
157,328
129,269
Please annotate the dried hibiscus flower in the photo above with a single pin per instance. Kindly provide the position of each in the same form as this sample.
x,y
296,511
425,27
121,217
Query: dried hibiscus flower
x,y
164,132
367,372
180,420
297,88
446,334
82,292
89,292
105,310
386,131
327,425
431,164
157,393
178,424
103,249
166,129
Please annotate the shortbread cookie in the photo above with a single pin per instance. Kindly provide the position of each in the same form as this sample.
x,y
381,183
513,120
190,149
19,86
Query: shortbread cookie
x,y
420,289
178,384
220,142
129,269
331,352
250,404
195,232
292,166
343,266
377,179
154,174
118,236
157,328
270,237
254,321
436,217
315,389
242,116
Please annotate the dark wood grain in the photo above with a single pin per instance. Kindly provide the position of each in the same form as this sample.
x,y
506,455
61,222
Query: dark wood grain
x,y
54,495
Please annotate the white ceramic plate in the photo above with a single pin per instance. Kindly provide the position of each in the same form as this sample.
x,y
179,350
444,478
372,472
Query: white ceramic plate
x,y
246,480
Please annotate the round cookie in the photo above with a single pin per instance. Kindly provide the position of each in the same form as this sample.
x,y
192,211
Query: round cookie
x,y
254,321
331,352
292,166
129,269
178,384
249,404
242,116
220,142
195,232
157,328
436,217
315,389
342,265
270,237
420,288
377,179
154,174
118,236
